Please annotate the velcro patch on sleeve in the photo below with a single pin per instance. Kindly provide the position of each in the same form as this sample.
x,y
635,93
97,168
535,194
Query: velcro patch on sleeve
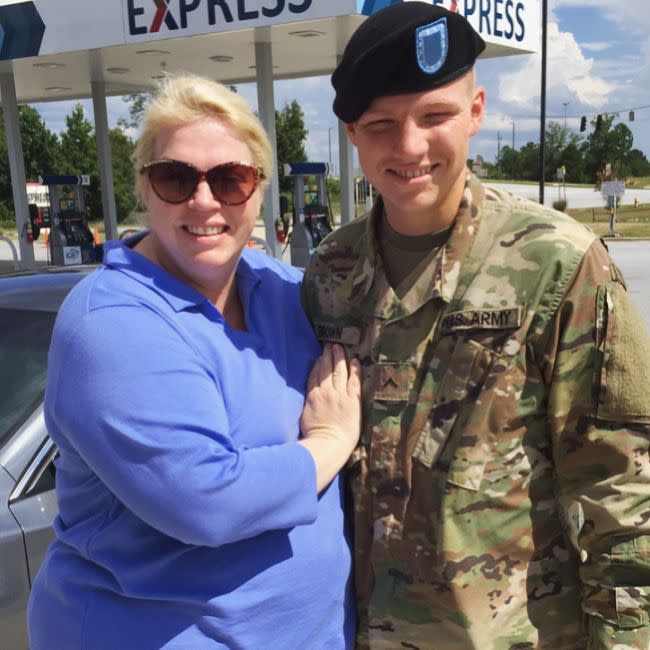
x,y
623,378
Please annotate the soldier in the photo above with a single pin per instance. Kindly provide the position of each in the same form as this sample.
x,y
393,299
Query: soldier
x,y
501,487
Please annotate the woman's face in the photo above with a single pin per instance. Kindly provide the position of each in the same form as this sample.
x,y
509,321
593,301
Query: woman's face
x,y
200,240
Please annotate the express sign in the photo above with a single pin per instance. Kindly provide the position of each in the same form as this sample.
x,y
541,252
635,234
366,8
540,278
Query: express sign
x,y
498,21
41,27
149,16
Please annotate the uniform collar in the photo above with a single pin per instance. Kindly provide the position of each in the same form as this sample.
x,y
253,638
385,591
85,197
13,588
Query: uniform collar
x,y
120,256
367,287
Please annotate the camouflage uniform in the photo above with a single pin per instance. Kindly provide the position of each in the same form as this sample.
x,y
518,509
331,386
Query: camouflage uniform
x,y
502,485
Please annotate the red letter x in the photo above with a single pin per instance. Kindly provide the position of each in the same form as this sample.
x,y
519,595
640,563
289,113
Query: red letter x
x,y
161,10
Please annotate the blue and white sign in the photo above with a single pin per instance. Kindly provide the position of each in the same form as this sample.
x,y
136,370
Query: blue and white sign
x,y
21,30
41,27
72,255
612,188
513,23
306,168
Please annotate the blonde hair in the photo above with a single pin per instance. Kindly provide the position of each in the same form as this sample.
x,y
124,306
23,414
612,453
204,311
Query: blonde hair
x,y
186,98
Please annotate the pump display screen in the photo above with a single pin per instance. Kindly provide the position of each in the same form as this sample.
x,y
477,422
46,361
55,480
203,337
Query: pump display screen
x,y
66,205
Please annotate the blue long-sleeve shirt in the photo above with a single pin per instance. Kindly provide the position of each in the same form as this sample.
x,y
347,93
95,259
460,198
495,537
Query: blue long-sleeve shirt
x,y
188,515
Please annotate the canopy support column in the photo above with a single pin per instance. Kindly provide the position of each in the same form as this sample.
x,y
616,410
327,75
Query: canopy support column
x,y
16,168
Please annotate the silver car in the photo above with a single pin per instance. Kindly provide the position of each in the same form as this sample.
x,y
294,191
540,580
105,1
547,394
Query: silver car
x,y
28,306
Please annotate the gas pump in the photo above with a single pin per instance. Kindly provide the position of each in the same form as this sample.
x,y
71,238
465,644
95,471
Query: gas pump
x,y
311,215
71,240
35,222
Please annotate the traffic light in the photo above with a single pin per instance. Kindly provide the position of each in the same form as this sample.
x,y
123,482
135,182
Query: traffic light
x,y
599,122
583,124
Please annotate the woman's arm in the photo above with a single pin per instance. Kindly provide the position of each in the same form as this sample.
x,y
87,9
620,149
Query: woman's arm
x,y
331,419
129,402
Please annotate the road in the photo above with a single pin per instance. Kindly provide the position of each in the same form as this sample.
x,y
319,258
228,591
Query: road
x,y
577,197
633,258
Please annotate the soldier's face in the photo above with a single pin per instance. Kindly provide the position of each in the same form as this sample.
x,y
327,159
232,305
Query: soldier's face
x,y
413,148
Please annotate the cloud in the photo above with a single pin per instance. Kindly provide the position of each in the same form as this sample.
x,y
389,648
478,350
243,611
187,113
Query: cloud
x,y
630,15
521,87
596,46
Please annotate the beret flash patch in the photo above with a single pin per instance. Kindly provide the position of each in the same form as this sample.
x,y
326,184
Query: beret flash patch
x,y
432,46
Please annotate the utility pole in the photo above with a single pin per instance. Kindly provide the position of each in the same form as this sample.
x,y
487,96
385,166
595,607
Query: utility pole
x,y
499,152
542,116
513,136
565,104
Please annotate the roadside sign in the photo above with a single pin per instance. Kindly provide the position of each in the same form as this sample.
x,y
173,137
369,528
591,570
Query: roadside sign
x,y
612,188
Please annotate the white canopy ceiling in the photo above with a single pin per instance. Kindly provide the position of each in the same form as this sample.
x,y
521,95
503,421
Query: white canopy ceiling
x,y
89,40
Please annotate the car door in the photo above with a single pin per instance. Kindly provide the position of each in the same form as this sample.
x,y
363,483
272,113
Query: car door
x,y
27,511
33,504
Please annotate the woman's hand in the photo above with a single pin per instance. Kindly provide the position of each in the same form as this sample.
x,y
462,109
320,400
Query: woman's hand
x,y
331,418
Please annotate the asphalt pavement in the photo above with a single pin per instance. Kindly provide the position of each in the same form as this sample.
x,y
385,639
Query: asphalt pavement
x,y
632,256
577,197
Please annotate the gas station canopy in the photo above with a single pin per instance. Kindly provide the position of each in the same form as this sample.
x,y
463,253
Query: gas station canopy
x,y
56,48
52,50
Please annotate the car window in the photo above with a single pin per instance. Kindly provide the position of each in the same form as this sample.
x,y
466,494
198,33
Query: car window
x,y
24,342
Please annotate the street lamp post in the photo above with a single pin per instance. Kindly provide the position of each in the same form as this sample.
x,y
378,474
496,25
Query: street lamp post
x,y
542,116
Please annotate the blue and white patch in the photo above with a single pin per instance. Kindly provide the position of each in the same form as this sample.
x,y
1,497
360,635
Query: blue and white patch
x,y
432,46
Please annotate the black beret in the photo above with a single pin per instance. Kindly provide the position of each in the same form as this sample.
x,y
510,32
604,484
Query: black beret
x,y
407,47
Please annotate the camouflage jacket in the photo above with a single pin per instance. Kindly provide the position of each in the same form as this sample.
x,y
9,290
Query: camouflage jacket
x,y
501,490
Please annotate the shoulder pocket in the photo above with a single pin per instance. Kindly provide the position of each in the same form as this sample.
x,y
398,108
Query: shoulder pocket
x,y
622,369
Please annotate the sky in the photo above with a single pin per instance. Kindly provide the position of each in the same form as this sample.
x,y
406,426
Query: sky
x,y
598,61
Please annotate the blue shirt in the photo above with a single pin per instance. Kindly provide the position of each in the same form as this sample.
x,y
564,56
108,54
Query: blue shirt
x,y
188,515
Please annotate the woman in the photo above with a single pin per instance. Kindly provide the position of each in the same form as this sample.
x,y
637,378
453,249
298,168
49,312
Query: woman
x,y
191,513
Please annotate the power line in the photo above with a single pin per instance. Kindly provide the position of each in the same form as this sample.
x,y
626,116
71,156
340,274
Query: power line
x,y
576,116
608,112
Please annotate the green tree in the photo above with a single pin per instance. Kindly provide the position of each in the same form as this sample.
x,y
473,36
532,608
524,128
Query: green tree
x,y
529,161
574,164
557,139
607,145
637,164
290,135
508,163
79,156
123,175
41,149
6,197
40,154
138,103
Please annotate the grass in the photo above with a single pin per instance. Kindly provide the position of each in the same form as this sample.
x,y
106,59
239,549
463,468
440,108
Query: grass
x,y
630,221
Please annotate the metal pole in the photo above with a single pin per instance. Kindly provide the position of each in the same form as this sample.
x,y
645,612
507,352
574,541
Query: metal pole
x,y
542,124
266,105
329,144
16,167
513,136
104,159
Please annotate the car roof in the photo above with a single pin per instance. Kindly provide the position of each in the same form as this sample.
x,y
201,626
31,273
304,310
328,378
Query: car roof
x,y
39,291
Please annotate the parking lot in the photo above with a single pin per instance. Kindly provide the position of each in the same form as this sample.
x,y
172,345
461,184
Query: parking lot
x,y
631,256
